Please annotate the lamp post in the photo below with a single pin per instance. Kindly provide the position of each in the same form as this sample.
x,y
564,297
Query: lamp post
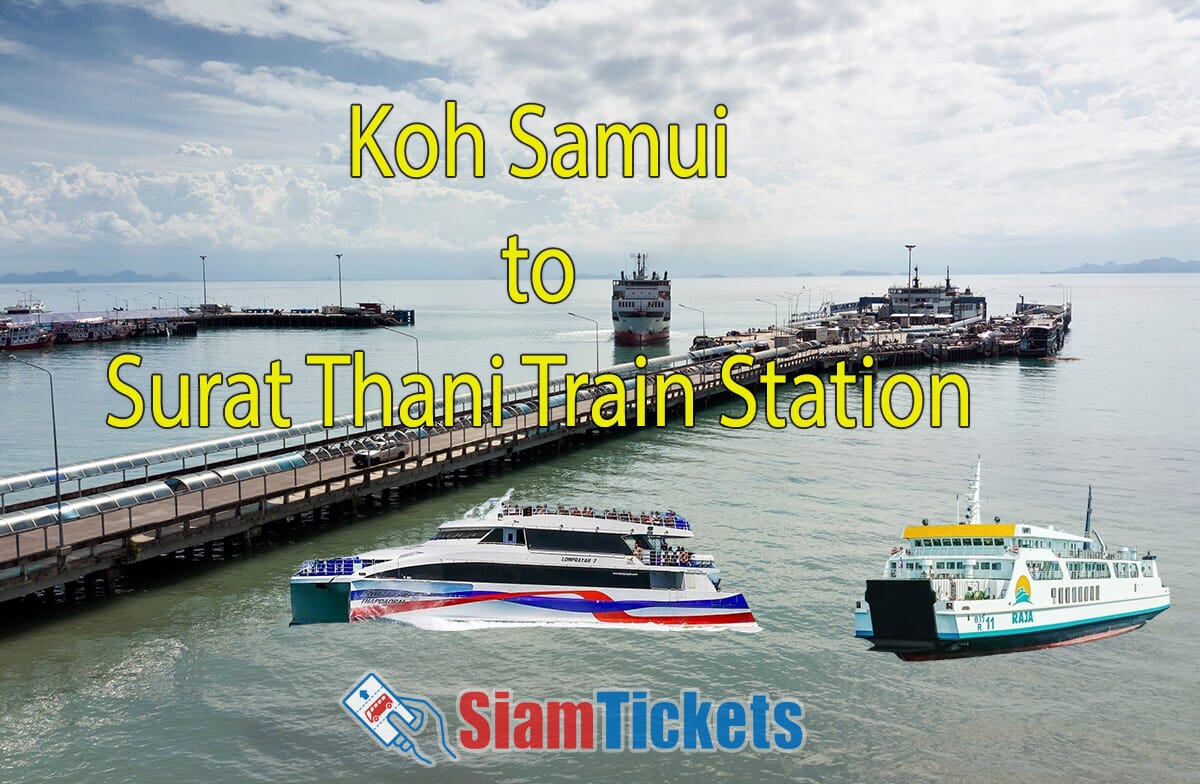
x,y
176,295
204,278
416,340
703,328
78,301
339,258
54,436
772,304
597,323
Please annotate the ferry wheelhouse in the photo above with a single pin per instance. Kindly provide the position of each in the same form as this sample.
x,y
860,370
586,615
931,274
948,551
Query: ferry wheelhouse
x,y
976,588
529,564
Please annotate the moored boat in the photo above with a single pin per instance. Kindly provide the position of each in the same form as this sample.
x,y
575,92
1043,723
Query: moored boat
x,y
529,565
15,337
641,307
974,588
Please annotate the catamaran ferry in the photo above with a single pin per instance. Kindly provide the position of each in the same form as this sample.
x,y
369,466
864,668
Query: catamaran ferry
x,y
529,564
974,588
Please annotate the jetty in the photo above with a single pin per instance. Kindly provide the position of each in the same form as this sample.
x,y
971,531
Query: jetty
x,y
113,515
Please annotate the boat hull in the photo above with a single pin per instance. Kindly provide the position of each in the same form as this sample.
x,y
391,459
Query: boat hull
x,y
914,650
904,617
640,331
325,601
434,602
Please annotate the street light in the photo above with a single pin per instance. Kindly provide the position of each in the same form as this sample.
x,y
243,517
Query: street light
x,y
418,342
597,323
411,337
204,277
772,304
703,328
176,295
54,435
339,257
78,301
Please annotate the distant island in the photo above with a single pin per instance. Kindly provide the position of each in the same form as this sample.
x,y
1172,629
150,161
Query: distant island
x,y
71,276
864,273
1157,266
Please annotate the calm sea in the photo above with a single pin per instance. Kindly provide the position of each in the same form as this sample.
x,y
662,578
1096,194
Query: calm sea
x,y
200,679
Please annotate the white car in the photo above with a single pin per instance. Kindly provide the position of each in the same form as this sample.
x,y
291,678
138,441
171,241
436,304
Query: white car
x,y
379,452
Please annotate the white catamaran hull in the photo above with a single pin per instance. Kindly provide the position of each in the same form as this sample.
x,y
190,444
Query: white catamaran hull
x,y
421,601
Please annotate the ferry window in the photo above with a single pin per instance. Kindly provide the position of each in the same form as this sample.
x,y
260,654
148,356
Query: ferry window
x,y
958,542
461,533
579,541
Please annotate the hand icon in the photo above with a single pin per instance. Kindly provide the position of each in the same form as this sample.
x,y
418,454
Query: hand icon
x,y
418,708
374,704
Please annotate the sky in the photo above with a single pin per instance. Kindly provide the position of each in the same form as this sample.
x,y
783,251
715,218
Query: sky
x,y
997,137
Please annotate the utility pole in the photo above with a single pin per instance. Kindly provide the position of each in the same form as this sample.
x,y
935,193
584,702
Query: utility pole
x,y
339,257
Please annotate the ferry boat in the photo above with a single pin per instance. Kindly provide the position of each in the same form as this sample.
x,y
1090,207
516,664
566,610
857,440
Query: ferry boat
x,y
26,307
917,304
976,588
14,337
641,307
95,329
529,565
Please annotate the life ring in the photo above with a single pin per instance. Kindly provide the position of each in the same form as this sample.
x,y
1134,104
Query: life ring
x,y
685,558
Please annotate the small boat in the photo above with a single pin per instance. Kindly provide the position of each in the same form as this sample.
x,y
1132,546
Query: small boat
x,y
974,588
26,307
14,337
531,564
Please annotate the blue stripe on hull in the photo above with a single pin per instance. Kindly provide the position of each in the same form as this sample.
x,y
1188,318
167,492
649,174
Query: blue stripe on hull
x,y
1068,625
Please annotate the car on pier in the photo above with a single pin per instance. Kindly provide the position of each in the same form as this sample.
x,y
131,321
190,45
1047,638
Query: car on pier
x,y
379,450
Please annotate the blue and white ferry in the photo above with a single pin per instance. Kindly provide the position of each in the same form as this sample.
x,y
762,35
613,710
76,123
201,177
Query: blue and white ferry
x,y
976,588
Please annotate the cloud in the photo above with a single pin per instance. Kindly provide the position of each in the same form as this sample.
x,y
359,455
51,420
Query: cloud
x,y
247,207
847,119
203,150
13,48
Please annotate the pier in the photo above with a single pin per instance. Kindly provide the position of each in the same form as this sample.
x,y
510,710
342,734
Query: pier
x,y
165,322
119,513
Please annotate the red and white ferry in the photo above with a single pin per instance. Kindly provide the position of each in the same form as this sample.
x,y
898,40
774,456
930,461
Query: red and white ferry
x,y
641,307
533,564
14,336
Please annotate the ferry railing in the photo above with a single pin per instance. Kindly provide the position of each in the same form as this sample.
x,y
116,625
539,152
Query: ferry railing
x,y
675,558
667,521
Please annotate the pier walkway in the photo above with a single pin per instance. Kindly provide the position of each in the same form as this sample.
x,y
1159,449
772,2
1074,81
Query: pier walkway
x,y
174,510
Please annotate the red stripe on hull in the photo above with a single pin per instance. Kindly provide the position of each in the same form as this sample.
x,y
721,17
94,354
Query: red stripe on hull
x,y
380,610
627,338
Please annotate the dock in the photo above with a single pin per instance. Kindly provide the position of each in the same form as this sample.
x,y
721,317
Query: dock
x,y
120,513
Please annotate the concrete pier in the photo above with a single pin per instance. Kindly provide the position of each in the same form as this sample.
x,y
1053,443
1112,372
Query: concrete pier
x,y
332,487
